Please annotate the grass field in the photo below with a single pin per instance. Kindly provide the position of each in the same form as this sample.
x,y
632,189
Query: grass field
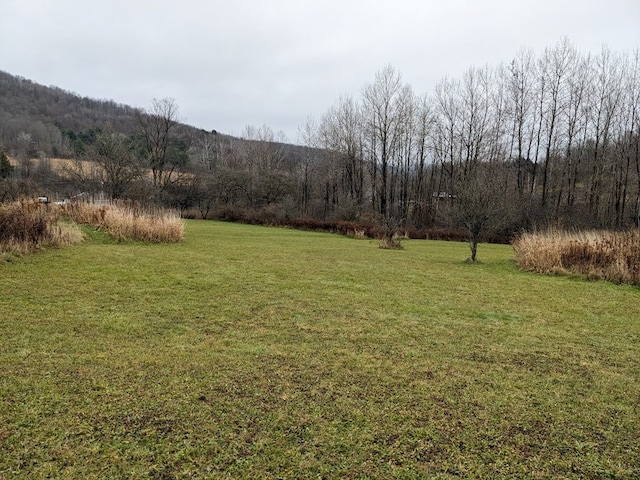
x,y
251,352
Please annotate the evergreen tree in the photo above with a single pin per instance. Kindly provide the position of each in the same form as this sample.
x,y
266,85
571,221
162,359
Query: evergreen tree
x,y
5,167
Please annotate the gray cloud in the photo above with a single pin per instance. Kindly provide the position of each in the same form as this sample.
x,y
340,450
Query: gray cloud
x,y
230,64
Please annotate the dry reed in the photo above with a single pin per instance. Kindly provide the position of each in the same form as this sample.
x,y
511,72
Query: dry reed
x,y
127,221
612,256
26,226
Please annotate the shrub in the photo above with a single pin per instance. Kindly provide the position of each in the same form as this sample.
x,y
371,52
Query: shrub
x,y
391,238
612,256
362,228
342,227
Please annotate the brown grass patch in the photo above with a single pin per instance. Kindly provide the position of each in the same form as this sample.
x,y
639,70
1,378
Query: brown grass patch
x,y
612,256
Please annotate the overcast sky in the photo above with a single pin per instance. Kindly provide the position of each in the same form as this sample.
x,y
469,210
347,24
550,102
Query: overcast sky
x,y
233,63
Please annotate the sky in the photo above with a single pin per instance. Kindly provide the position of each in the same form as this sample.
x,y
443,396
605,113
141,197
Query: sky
x,y
234,63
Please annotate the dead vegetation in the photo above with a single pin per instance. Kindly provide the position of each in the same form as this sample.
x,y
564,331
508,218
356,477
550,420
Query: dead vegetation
x,y
128,221
27,226
606,255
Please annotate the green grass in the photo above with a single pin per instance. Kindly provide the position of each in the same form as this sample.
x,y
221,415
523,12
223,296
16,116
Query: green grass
x,y
250,352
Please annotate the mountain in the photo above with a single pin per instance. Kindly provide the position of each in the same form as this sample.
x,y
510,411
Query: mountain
x,y
49,114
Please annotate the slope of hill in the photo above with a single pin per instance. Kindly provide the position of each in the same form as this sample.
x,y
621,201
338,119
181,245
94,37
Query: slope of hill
x,y
49,114
52,117
43,113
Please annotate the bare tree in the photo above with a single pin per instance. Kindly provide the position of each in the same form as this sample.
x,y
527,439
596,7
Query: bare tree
x,y
403,166
25,154
575,122
308,133
264,148
626,136
340,134
421,186
445,142
481,203
633,127
206,150
475,116
555,65
606,95
521,95
120,168
267,166
382,110
84,176
162,148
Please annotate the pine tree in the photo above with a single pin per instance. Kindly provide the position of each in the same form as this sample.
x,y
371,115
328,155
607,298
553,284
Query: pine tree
x,y
5,167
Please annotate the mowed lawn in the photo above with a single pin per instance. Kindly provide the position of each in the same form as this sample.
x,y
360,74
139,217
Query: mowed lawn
x,y
252,352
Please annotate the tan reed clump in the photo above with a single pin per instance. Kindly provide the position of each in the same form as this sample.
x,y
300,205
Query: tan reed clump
x,y
127,221
26,226
607,255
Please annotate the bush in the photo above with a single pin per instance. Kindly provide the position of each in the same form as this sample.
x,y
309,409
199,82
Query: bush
x,y
276,218
342,227
353,228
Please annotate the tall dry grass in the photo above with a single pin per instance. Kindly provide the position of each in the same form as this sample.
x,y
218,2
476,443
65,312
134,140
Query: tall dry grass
x,y
26,226
612,256
127,221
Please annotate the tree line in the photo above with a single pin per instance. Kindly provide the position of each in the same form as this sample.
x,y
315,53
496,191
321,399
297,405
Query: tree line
x,y
547,139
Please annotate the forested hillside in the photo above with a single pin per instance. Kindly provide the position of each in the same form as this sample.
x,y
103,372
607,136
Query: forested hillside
x,y
47,113
547,139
